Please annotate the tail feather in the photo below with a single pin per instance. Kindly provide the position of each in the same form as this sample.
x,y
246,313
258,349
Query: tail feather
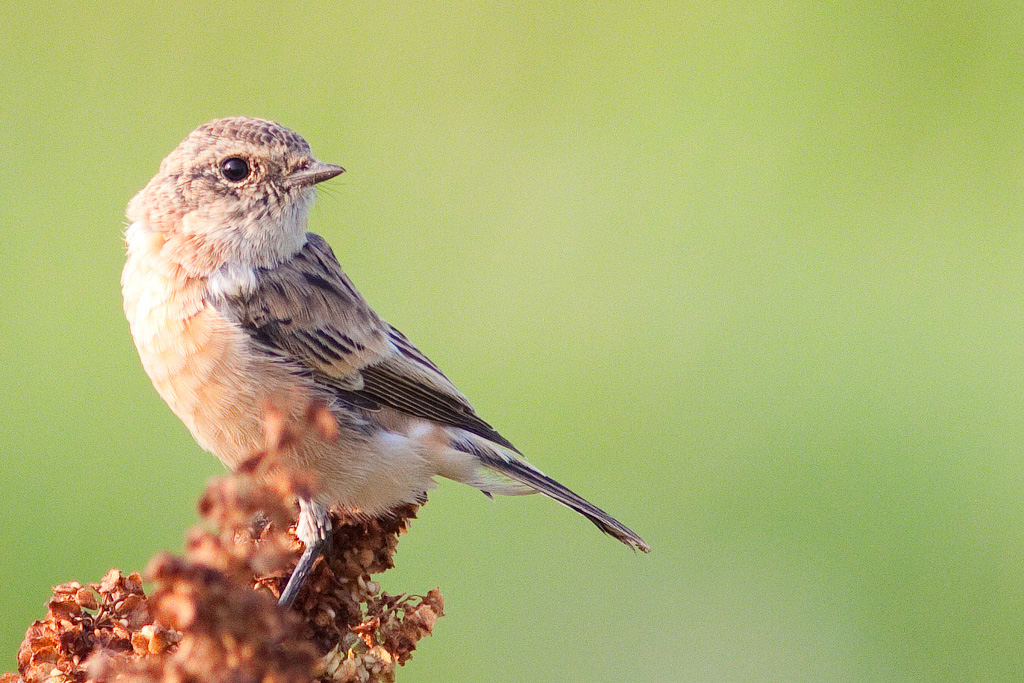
x,y
525,473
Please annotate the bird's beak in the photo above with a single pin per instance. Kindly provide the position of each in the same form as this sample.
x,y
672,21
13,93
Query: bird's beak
x,y
315,172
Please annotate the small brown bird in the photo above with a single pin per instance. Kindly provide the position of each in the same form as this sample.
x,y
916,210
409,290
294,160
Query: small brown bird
x,y
231,301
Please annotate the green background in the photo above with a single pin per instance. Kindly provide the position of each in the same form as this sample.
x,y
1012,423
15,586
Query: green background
x,y
745,274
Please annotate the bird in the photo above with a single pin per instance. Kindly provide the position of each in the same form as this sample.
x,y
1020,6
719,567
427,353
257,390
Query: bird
x,y
230,300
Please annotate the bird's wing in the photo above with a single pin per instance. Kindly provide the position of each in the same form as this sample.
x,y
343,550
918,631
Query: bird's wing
x,y
307,310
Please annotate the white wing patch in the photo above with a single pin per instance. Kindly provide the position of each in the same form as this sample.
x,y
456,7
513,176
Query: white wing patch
x,y
232,280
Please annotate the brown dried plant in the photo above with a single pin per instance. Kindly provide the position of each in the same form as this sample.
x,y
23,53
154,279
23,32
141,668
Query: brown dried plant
x,y
212,614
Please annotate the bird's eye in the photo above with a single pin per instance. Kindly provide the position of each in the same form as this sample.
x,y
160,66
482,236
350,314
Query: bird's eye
x,y
235,169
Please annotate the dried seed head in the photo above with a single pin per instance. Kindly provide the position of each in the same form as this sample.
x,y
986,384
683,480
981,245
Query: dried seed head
x,y
217,604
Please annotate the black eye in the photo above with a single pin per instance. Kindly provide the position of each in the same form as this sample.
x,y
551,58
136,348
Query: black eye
x,y
234,169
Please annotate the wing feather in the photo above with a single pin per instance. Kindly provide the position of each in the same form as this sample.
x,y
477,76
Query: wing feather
x,y
307,310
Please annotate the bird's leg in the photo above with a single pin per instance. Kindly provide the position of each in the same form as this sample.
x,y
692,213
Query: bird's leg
x,y
314,530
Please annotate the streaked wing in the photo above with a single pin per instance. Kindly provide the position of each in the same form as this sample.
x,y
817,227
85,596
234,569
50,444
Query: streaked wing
x,y
308,310
407,381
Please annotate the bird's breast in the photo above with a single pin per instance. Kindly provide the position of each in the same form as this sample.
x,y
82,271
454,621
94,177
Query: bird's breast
x,y
202,364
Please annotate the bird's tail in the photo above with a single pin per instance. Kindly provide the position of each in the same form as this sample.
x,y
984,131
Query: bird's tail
x,y
525,474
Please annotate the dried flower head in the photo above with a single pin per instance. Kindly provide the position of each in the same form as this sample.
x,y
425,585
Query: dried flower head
x,y
212,613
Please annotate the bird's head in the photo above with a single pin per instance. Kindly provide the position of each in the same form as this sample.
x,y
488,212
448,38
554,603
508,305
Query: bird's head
x,y
237,190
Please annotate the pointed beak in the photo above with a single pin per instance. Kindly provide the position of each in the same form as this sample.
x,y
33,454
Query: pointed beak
x,y
315,172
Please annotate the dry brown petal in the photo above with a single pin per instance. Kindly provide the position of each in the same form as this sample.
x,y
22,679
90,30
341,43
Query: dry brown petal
x,y
140,643
178,609
160,638
110,583
64,610
86,598
135,611
133,583
66,590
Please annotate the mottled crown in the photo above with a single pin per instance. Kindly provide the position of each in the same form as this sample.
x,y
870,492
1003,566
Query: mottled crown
x,y
251,130
236,134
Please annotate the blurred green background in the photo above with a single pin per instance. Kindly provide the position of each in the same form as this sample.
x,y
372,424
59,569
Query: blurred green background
x,y
748,275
